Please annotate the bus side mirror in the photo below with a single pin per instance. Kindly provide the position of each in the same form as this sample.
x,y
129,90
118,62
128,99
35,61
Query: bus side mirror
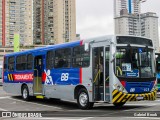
x,y
86,46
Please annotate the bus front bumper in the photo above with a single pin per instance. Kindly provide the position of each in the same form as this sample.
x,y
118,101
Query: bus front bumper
x,y
120,97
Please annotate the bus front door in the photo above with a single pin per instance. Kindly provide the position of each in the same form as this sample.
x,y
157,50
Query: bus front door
x,y
101,73
38,68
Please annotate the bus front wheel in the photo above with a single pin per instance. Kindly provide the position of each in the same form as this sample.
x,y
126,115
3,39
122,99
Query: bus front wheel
x,y
83,100
25,93
119,104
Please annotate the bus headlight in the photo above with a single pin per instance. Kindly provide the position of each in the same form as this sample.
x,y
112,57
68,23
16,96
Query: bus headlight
x,y
154,85
119,87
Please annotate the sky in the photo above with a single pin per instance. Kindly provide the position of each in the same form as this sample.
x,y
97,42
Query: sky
x,y
95,17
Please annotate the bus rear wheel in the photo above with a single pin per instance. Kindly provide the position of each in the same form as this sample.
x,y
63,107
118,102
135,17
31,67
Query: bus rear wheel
x,y
25,93
119,104
83,100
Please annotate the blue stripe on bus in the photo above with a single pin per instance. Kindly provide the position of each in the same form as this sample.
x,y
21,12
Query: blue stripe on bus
x,y
139,87
55,75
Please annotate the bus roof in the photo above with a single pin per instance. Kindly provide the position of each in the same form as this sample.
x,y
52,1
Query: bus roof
x,y
63,45
71,44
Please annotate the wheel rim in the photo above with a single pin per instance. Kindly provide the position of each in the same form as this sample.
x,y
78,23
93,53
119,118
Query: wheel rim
x,y
83,99
25,93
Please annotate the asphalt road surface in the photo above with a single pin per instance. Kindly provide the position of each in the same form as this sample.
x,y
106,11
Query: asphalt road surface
x,y
14,107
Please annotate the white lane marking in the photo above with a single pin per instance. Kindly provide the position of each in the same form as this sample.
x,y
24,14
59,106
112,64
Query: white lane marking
x,y
1,109
146,104
51,118
4,97
140,106
62,118
87,118
155,118
36,103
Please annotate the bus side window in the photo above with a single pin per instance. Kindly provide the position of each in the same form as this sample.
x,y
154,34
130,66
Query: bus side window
x,y
5,64
80,57
11,63
50,59
62,58
29,62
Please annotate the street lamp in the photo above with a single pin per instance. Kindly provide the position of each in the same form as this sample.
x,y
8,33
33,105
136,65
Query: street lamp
x,y
139,14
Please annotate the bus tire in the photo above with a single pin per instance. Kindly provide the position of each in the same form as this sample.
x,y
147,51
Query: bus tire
x,y
83,100
25,93
119,104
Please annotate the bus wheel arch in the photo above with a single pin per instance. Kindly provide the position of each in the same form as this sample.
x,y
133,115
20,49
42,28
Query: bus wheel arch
x,y
76,90
25,92
82,97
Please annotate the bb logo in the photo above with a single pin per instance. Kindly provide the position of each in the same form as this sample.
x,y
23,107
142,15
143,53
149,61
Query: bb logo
x,y
132,90
64,76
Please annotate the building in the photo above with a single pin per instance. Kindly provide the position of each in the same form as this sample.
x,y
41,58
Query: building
x,y
127,25
54,21
149,27
144,25
0,23
131,6
17,18
37,21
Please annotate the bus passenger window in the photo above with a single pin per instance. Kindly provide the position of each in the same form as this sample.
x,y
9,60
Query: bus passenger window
x,y
62,58
21,62
29,62
5,64
11,63
50,59
80,57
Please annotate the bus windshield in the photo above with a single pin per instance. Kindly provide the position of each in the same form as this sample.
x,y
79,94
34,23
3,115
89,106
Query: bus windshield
x,y
134,62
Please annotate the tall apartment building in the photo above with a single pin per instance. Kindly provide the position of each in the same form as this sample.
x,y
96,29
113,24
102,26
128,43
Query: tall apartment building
x,y
0,23
131,6
37,21
130,21
149,27
54,21
17,18
144,25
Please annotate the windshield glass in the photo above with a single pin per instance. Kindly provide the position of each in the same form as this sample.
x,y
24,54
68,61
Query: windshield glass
x,y
134,62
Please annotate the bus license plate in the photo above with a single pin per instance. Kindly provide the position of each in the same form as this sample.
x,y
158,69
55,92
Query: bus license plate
x,y
139,98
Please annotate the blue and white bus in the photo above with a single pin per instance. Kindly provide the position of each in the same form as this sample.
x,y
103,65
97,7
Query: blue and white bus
x,y
113,69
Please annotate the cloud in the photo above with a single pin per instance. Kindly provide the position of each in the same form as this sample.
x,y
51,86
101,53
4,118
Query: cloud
x,y
95,17
95,26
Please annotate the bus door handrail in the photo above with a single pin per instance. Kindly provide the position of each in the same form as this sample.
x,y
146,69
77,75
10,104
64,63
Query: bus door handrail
x,y
118,69
98,75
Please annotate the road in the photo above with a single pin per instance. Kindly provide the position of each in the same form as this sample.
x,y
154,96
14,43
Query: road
x,y
60,109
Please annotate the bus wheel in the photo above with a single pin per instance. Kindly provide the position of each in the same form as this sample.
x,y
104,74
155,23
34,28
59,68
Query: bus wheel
x,y
119,104
25,93
83,100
